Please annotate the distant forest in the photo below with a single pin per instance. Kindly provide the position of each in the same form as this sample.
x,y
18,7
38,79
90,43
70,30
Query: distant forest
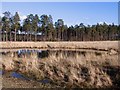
x,y
42,28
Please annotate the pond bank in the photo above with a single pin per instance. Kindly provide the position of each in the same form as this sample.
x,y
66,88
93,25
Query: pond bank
x,y
104,45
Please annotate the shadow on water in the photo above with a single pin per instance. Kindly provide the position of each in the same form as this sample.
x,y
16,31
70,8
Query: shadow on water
x,y
1,72
20,76
44,81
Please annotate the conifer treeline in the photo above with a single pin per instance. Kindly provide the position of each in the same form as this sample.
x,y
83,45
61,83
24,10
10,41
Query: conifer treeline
x,y
35,28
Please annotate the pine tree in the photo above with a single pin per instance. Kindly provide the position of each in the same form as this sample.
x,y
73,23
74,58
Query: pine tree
x,y
35,23
16,22
6,25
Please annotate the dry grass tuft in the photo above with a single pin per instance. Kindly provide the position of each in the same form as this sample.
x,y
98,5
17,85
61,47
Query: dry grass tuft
x,y
78,70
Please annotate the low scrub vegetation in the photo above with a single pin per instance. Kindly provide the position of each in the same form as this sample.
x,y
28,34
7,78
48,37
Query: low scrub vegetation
x,y
92,70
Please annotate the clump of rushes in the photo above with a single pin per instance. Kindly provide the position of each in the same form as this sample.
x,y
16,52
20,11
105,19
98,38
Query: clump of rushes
x,y
79,71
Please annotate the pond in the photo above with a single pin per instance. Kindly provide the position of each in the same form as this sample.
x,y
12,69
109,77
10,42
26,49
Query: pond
x,y
45,53
20,76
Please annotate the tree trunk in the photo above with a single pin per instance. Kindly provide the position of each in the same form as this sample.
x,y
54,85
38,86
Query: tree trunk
x,y
30,37
10,37
35,37
75,35
23,37
27,36
15,35
6,37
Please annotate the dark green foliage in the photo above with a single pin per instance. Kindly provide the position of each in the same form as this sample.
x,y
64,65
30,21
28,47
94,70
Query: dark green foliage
x,y
48,31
